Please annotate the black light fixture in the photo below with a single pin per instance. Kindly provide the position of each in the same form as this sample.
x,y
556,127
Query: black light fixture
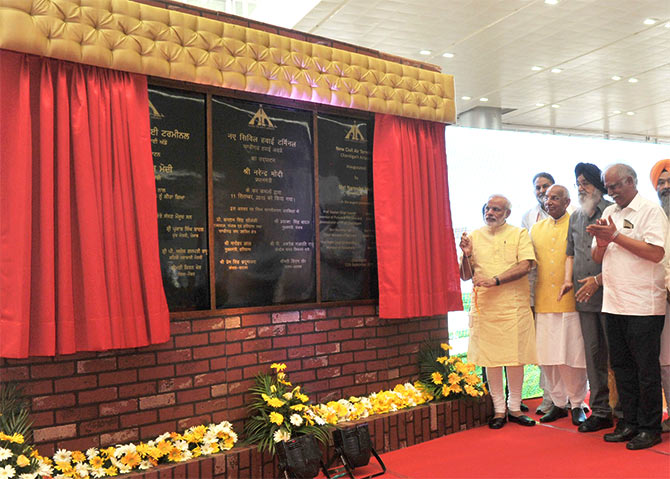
x,y
300,458
353,447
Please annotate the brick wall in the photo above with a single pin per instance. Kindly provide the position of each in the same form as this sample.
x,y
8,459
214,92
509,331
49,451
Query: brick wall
x,y
203,373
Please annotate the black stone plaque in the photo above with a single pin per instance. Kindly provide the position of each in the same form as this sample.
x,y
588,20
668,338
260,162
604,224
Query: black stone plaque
x,y
263,204
180,164
346,218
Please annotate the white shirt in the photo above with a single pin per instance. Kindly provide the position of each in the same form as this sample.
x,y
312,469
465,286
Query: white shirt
x,y
532,216
632,285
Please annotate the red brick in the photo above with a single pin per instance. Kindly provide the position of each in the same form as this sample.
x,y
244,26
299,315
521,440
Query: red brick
x,y
316,386
42,419
361,333
218,363
233,322
175,412
341,358
327,325
317,362
366,378
117,377
38,388
159,400
285,342
252,371
364,356
76,414
193,421
193,395
387,330
53,402
314,338
257,345
173,384
219,390
176,356
274,356
52,370
331,372
300,328
154,430
203,352
180,327
96,365
242,334
14,374
367,310
353,368
300,377
211,406
233,348
97,395
375,321
255,319
99,425
137,389
390,352
191,367
352,323
353,345
377,365
156,372
376,343
339,312
313,314
136,360
270,331
118,407
242,360
211,324
304,352
123,436
427,324
286,317
340,335
78,444
217,337
328,348
341,382
75,383
239,387
139,418
209,378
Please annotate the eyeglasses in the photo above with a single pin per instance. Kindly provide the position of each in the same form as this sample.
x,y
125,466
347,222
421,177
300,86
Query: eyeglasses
x,y
615,186
583,184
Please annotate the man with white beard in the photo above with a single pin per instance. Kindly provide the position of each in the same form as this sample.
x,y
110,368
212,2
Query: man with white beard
x,y
660,178
584,275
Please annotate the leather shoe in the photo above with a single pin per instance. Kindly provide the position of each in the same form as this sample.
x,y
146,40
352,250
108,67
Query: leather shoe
x,y
521,419
523,407
497,422
578,416
596,423
644,440
622,433
554,413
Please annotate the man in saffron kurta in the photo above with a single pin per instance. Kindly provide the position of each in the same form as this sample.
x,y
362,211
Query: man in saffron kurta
x,y
560,347
498,258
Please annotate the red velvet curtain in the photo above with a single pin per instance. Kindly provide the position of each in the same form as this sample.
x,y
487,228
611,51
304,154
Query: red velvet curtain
x,y
79,261
416,253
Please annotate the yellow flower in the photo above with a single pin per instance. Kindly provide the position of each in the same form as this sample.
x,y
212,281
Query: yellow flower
x,y
131,459
174,455
273,388
298,407
109,452
454,378
445,346
22,461
15,438
445,390
163,447
462,368
453,359
278,366
442,359
78,456
275,402
112,471
472,379
276,418
302,397
436,377
455,388
96,462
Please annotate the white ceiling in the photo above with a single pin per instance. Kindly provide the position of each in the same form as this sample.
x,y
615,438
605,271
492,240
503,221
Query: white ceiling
x,y
496,42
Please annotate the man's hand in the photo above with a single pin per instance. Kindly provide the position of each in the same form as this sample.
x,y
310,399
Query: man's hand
x,y
567,286
481,280
588,289
603,230
466,244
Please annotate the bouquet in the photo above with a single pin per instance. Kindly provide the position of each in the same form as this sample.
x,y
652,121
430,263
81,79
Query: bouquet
x,y
447,377
281,411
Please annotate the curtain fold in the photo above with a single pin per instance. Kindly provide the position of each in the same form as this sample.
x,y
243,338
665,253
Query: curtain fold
x,y
418,267
79,260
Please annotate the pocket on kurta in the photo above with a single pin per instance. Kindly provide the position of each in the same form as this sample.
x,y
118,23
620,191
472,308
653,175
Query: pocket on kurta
x,y
510,253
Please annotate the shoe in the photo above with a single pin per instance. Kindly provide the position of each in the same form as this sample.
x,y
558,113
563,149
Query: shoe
x,y
596,423
665,426
554,413
543,408
523,407
622,433
644,440
521,419
578,416
497,422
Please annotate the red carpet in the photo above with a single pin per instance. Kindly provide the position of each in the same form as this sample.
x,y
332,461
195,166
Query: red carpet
x,y
554,450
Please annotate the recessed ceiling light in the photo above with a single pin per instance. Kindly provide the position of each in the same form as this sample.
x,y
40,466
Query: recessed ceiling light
x,y
535,68
616,78
630,113
650,21
616,112
466,98
425,52
555,105
483,99
667,25
556,70
539,104
448,55
551,2
632,80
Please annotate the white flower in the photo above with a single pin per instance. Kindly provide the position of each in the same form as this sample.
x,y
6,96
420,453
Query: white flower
x,y
144,465
91,453
7,472
288,396
162,437
121,451
319,420
206,449
181,445
124,469
45,469
296,420
97,473
28,475
281,435
62,455
187,454
81,470
5,454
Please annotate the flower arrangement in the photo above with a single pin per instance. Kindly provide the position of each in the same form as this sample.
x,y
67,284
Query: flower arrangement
x,y
281,411
447,377
401,396
166,448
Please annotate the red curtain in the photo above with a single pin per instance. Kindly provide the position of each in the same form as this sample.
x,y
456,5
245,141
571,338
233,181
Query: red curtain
x,y
416,253
79,261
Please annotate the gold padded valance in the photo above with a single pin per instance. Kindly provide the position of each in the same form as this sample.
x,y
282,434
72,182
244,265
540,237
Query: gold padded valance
x,y
129,36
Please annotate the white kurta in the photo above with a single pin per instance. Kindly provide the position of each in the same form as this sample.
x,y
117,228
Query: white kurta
x,y
559,339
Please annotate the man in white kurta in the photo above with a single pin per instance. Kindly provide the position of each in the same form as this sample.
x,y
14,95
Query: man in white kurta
x,y
497,258
560,347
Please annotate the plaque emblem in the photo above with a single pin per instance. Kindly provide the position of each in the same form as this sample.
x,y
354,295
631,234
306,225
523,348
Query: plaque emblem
x,y
154,113
354,133
261,119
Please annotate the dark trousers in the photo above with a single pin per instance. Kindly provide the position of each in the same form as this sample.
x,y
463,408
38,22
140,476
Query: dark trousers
x,y
595,346
634,346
